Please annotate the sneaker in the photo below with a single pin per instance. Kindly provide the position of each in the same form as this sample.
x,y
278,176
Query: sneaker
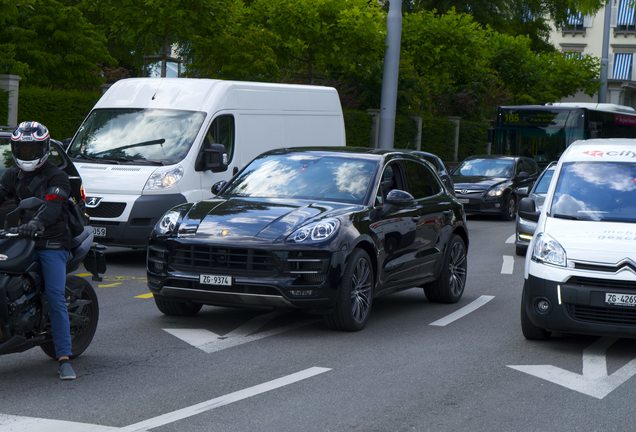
x,y
66,371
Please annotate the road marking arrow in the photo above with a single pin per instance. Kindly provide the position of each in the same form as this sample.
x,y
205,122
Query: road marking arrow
x,y
210,342
594,380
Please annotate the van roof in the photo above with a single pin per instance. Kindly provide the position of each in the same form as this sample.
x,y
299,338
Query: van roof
x,y
610,149
197,94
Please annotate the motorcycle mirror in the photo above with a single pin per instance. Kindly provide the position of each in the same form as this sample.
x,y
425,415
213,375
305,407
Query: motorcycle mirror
x,y
30,203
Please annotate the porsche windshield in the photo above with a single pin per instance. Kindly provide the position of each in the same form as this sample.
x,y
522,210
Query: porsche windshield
x,y
306,176
151,136
599,191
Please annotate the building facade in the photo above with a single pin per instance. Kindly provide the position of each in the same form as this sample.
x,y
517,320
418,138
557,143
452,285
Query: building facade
x,y
582,34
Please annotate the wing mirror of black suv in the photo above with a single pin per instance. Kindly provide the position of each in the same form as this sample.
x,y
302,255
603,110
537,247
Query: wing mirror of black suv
x,y
523,175
399,198
528,209
216,187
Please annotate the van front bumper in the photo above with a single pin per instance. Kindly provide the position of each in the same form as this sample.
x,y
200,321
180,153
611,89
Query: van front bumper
x,y
578,306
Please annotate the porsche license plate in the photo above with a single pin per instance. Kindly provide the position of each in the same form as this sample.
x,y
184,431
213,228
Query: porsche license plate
x,y
616,299
210,279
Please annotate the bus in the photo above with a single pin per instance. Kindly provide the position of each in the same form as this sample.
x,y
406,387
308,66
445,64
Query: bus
x,y
544,131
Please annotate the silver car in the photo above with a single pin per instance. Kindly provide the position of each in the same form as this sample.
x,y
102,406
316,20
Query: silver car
x,y
525,227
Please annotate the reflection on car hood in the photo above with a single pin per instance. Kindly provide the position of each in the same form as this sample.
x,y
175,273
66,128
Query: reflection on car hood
x,y
476,182
252,219
593,241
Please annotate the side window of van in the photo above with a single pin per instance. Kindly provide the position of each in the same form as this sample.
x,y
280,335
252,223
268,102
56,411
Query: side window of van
x,y
221,132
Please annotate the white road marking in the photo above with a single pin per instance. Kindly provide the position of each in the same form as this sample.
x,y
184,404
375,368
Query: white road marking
x,y
471,307
508,265
223,400
210,342
510,239
10,423
594,380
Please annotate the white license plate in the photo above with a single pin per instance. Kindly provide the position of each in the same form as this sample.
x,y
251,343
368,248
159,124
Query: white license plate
x,y
620,299
463,200
99,231
209,279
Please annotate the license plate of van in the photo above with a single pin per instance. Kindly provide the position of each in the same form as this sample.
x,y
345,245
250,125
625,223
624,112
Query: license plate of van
x,y
616,299
99,231
211,279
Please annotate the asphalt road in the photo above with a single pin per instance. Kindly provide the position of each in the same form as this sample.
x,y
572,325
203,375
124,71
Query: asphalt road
x,y
417,366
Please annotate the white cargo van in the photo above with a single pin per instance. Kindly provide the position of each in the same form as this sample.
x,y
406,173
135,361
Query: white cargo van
x,y
580,273
142,148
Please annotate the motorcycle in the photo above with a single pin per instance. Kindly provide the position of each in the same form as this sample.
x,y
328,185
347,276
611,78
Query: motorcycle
x,y
24,319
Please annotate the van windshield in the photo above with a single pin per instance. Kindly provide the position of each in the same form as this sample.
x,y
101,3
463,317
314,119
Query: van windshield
x,y
139,136
599,191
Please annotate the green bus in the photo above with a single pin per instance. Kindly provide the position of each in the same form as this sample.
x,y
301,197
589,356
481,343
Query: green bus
x,y
544,131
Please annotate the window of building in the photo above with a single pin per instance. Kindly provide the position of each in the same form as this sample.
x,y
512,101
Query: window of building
x,y
575,23
625,17
622,67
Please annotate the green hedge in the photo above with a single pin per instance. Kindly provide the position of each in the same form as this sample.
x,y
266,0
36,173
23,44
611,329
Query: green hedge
x,y
4,108
62,111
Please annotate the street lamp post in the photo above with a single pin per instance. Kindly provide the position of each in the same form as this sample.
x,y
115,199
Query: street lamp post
x,y
390,75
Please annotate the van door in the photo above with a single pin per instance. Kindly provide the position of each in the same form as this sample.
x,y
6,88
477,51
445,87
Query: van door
x,y
222,130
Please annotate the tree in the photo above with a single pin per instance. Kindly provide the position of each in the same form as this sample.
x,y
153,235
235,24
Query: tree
x,y
61,48
302,41
136,29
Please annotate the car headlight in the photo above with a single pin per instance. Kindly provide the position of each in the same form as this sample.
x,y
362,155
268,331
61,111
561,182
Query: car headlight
x,y
315,232
164,179
548,250
497,190
168,222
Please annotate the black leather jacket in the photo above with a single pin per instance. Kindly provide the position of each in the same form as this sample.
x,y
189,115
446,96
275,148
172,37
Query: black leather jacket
x,y
51,185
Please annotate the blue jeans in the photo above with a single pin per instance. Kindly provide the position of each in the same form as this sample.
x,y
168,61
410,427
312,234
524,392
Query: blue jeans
x,y
53,263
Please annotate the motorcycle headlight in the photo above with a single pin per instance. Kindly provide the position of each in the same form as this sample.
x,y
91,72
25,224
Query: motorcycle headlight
x,y
164,179
168,222
548,250
497,190
315,232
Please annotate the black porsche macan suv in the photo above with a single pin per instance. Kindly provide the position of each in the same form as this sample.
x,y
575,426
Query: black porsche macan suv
x,y
319,229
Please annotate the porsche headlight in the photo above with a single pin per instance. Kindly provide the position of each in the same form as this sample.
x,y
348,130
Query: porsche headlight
x,y
315,232
164,179
168,222
548,250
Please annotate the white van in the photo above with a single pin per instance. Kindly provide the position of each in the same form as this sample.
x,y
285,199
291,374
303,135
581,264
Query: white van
x,y
142,148
580,273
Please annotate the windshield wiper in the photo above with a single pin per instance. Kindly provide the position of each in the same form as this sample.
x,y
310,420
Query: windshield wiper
x,y
139,144
568,217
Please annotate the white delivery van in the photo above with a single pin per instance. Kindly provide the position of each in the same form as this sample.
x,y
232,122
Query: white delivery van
x,y
142,148
580,272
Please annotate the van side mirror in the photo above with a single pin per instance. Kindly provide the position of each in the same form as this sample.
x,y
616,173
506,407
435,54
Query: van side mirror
x,y
528,209
212,158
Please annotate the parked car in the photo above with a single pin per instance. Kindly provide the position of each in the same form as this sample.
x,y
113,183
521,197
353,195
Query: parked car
x,y
525,227
58,156
488,184
319,229
437,162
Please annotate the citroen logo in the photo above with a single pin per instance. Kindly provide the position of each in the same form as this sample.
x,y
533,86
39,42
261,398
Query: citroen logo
x,y
92,202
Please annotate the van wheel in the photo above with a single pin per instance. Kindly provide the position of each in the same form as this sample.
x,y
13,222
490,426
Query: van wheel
x,y
355,294
176,307
449,286
531,331
510,211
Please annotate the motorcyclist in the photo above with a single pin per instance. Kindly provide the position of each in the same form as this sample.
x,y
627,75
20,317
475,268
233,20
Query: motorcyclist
x,y
34,176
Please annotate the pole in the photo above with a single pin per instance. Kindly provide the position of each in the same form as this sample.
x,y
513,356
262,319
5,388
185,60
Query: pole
x,y
602,91
390,75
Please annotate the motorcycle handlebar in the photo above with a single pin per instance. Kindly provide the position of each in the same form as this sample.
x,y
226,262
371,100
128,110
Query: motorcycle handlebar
x,y
13,232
